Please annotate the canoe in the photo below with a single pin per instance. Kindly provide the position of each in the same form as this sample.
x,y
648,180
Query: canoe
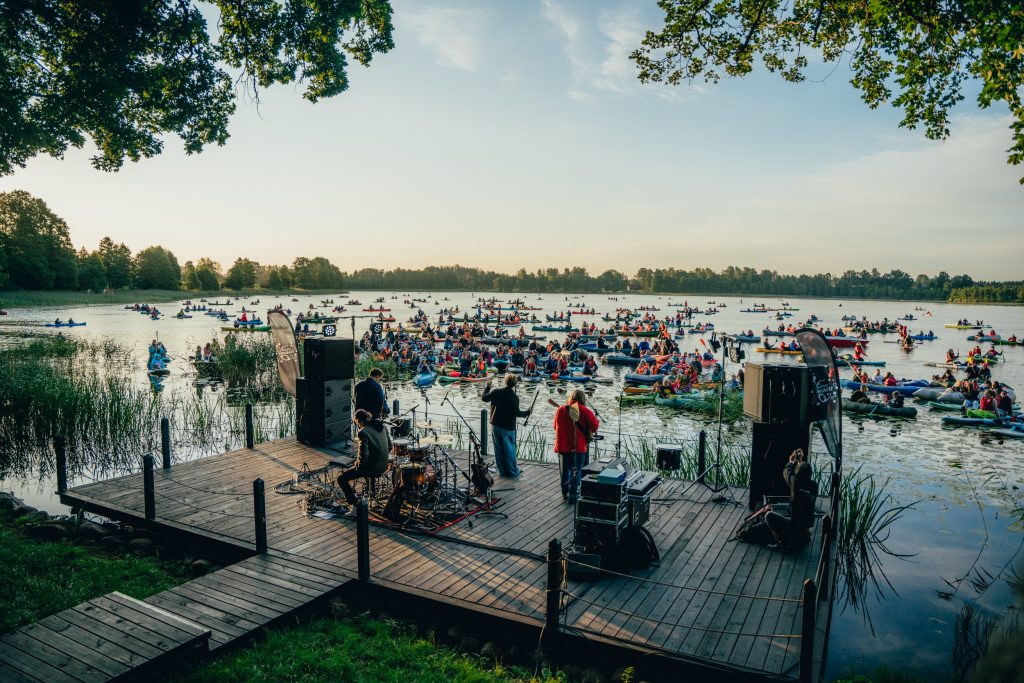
x,y
905,389
785,352
424,379
65,324
681,401
1008,433
880,409
641,379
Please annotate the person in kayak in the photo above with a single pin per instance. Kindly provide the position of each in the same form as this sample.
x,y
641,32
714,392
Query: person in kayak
x,y
860,395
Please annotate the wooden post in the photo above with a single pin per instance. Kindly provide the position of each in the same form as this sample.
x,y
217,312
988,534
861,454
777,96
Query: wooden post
x,y
483,431
259,511
363,539
837,484
554,590
60,449
165,441
809,608
248,426
702,455
826,542
148,488
395,408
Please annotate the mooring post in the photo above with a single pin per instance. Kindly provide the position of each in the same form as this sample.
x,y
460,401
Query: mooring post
x,y
60,449
826,545
554,590
165,441
148,488
363,539
248,426
259,512
809,607
395,405
483,431
702,455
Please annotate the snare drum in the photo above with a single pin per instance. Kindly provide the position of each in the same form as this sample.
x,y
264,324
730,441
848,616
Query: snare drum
x,y
419,453
401,447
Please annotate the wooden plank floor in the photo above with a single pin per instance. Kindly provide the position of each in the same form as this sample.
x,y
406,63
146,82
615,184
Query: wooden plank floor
x,y
108,638
709,599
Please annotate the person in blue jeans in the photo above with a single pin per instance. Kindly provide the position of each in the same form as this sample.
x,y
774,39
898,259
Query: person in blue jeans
x,y
575,426
504,411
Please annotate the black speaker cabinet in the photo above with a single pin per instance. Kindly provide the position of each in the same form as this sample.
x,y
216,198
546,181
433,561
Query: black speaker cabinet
x,y
779,392
769,452
326,358
323,411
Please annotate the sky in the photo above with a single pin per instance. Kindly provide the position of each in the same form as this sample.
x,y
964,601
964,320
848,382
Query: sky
x,y
514,134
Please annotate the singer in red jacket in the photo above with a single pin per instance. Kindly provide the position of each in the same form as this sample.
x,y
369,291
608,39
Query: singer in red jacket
x,y
575,426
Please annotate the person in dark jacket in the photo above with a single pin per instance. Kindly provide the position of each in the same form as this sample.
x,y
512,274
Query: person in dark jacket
x,y
370,396
374,445
793,530
504,411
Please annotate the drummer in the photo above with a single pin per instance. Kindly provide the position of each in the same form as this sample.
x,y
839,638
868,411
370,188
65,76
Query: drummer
x,y
374,445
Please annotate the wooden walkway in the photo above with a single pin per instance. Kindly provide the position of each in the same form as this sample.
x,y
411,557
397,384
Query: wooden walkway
x,y
726,604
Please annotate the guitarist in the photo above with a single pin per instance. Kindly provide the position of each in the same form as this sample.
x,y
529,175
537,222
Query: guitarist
x,y
575,426
504,411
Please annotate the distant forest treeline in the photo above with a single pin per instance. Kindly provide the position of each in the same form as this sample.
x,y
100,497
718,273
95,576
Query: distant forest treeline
x,y
36,254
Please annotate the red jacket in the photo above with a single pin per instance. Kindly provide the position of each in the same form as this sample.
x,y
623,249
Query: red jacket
x,y
568,437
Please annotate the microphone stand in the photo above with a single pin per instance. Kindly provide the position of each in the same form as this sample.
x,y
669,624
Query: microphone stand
x,y
474,450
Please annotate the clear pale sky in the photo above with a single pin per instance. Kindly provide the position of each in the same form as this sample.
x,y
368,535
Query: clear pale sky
x,y
514,134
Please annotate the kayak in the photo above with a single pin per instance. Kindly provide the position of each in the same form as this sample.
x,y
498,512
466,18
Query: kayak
x,y
681,401
862,361
971,421
922,337
938,395
963,327
776,333
1008,433
65,324
641,379
620,359
182,317
552,328
639,333
939,405
744,338
785,352
636,398
984,338
251,328
844,342
425,379
905,389
878,409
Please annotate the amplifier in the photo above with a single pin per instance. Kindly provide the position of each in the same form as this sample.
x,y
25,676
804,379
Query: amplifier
x,y
600,536
640,483
583,566
777,392
592,488
600,511
639,509
327,358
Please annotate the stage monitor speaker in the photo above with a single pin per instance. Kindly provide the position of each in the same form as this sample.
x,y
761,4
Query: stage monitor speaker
x,y
769,452
323,411
326,359
779,392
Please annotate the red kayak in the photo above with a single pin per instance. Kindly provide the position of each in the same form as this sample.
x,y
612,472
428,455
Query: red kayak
x,y
845,342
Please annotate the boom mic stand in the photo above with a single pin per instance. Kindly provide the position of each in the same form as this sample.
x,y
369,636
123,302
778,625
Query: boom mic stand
x,y
474,442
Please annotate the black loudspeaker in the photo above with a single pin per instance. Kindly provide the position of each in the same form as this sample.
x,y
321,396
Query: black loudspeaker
x,y
779,392
769,452
325,358
323,411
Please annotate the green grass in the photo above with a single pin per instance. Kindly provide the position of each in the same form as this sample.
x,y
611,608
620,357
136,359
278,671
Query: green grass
x,y
39,578
356,650
32,299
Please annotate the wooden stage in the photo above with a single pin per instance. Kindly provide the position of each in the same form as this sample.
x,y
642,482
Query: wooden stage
x,y
711,602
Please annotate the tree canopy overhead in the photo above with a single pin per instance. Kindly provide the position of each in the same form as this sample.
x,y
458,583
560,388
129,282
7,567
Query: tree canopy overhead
x,y
127,73
915,54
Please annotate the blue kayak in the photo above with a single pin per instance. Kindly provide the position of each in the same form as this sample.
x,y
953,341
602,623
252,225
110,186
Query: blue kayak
x,y
905,389
620,359
425,379
65,324
923,337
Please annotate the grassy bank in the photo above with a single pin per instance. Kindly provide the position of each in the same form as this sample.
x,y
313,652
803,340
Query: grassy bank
x,y
39,578
34,299
357,649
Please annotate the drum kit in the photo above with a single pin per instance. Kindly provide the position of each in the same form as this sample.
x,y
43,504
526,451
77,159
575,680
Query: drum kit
x,y
421,487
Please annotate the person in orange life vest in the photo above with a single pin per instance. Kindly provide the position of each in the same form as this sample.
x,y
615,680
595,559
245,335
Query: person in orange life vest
x,y
890,380
988,401
858,351
575,426
643,368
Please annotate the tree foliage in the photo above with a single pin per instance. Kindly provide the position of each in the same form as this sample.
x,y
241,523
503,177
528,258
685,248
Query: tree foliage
x,y
36,245
157,268
117,263
915,54
126,74
241,274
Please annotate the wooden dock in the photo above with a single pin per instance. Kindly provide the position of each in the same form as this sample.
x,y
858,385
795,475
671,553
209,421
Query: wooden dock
x,y
710,602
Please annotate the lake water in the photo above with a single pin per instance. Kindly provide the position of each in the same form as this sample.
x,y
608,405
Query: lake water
x,y
962,537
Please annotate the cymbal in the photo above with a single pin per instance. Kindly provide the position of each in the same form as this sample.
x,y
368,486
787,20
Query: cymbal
x,y
429,424
440,440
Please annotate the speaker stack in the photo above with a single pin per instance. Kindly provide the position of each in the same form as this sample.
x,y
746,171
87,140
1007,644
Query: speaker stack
x,y
323,396
777,397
